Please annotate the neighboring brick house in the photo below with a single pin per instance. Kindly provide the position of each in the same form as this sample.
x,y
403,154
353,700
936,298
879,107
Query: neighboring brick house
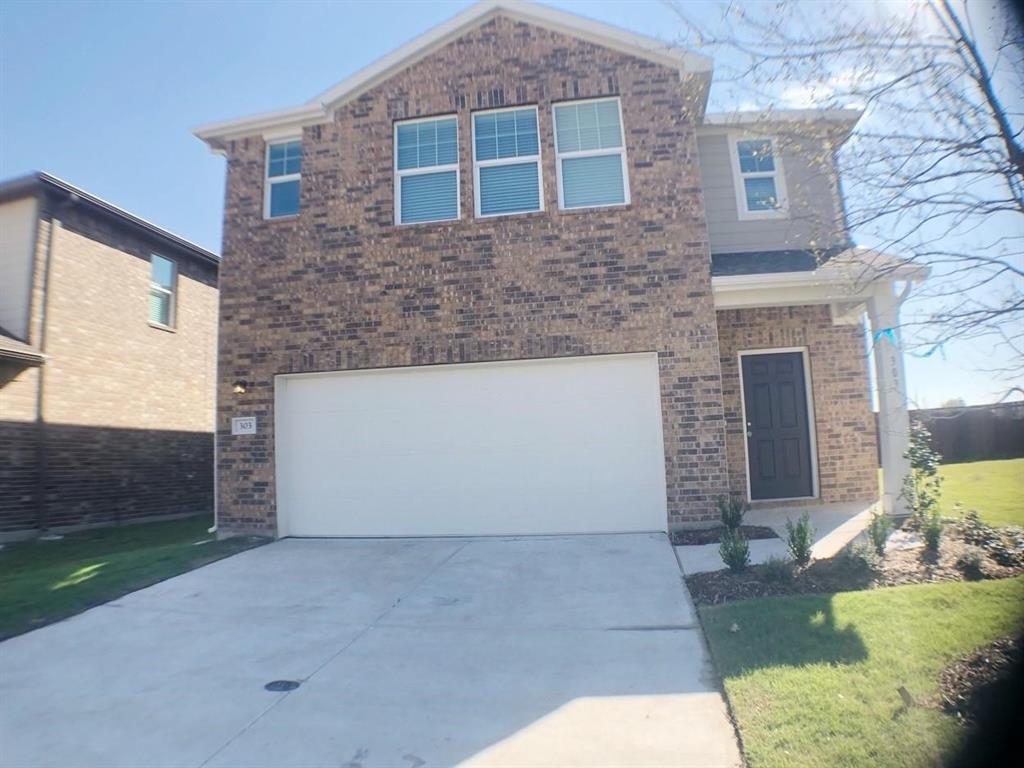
x,y
504,280
107,363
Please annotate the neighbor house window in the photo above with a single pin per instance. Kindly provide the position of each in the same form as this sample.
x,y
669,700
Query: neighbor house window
x,y
163,274
284,174
591,154
426,170
760,188
506,162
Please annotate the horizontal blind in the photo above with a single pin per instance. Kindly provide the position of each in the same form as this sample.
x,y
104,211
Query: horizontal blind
x,y
509,189
284,198
500,140
159,307
596,180
429,197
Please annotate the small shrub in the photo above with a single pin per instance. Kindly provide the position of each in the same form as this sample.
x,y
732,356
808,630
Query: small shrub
x,y
735,551
975,531
862,554
931,529
777,570
922,486
800,539
971,562
731,510
878,531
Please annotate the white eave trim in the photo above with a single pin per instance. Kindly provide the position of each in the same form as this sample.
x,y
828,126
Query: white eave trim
x,y
761,117
319,109
279,120
849,277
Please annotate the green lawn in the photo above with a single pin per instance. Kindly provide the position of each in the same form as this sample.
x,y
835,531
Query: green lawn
x,y
813,678
994,488
43,581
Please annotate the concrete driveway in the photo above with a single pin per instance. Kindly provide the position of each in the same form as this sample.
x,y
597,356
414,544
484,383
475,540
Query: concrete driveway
x,y
576,650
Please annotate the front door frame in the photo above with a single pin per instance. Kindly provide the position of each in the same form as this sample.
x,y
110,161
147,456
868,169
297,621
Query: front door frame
x,y
812,423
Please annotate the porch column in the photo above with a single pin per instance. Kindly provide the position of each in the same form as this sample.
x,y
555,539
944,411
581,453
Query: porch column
x,y
893,419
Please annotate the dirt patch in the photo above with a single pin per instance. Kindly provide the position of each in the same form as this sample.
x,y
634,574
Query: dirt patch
x,y
906,561
973,687
714,535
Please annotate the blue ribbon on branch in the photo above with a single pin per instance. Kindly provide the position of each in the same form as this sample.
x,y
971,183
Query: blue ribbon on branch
x,y
890,334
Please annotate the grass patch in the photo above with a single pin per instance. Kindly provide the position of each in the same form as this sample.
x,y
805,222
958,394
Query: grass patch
x,y
994,488
813,678
45,581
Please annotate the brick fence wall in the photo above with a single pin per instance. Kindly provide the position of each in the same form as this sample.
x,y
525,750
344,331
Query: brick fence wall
x,y
97,475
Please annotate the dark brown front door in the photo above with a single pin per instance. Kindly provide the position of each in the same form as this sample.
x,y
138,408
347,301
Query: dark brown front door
x,y
778,439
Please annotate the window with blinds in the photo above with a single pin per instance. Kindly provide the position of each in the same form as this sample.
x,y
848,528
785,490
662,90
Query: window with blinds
x,y
163,275
506,162
284,174
426,170
590,154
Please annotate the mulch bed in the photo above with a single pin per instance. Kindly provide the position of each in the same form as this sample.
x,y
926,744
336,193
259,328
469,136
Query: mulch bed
x,y
714,535
837,574
906,561
974,686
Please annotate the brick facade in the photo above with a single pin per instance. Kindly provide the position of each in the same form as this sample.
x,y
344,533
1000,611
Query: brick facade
x,y
127,407
340,287
847,449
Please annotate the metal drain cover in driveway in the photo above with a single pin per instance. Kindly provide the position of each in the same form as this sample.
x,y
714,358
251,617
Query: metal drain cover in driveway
x,y
282,685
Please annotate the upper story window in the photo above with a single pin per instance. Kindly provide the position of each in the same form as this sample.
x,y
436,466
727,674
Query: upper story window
x,y
284,174
590,154
757,171
163,277
426,170
506,162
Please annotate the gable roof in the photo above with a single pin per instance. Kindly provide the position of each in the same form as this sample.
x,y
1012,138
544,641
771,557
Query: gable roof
x,y
35,183
320,108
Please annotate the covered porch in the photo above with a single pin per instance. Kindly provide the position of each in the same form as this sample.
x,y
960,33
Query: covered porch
x,y
797,387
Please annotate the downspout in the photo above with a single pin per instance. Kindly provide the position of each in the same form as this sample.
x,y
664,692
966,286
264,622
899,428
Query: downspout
x,y
42,447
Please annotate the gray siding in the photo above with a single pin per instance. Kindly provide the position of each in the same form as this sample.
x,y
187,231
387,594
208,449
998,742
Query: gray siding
x,y
813,212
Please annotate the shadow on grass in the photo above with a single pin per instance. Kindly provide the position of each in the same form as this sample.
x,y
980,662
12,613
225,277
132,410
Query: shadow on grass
x,y
794,631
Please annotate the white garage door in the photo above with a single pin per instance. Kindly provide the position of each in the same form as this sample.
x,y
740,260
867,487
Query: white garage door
x,y
568,445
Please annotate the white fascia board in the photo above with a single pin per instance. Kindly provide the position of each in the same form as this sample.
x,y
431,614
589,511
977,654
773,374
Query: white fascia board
x,y
840,283
319,109
281,119
570,24
761,117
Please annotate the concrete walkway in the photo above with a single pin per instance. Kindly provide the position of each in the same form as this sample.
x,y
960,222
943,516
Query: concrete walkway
x,y
835,526
579,650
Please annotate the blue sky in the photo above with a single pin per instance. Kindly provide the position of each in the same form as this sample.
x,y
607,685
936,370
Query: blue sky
x,y
105,94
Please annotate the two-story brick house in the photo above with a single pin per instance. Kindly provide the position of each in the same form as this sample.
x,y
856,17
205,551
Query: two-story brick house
x,y
513,278
108,328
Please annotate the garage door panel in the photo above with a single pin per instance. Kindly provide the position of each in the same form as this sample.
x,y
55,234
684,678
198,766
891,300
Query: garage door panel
x,y
550,446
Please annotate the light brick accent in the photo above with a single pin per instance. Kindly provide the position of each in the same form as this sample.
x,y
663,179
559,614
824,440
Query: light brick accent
x,y
847,450
341,287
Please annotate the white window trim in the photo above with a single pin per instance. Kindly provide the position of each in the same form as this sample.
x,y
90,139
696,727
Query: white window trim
x,y
172,292
269,182
778,175
559,155
399,175
519,160
812,422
